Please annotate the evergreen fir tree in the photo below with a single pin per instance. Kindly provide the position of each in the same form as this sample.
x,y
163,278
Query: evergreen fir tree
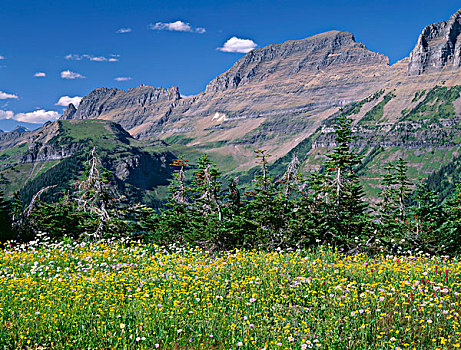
x,y
343,191
392,212
6,224
265,208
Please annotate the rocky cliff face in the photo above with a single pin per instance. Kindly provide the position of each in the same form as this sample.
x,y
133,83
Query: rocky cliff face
x,y
130,108
297,57
69,112
439,46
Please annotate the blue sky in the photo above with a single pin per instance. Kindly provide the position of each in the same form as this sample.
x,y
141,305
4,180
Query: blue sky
x,y
165,43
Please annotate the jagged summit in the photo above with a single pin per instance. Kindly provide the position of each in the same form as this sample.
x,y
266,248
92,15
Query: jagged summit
x,y
312,54
130,108
69,112
20,129
438,46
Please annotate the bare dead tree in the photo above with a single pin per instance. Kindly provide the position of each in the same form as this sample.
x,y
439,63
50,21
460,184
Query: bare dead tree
x,y
93,193
290,178
22,222
179,195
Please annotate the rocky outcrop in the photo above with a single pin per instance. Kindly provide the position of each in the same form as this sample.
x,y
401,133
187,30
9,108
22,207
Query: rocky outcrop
x,y
129,108
69,112
7,139
439,46
38,152
297,57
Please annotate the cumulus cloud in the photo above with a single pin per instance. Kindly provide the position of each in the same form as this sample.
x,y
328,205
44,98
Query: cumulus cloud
x,y
122,78
67,74
235,44
123,30
4,96
40,75
6,114
75,57
66,100
38,116
178,26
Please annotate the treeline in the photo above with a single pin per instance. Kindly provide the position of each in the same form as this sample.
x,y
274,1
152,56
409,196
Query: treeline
x,y
293,211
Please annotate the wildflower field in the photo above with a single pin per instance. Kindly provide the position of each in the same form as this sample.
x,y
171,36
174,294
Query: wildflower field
x,y
113,296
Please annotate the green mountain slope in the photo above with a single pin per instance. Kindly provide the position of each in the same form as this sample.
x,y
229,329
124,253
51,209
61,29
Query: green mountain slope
x,y
56,155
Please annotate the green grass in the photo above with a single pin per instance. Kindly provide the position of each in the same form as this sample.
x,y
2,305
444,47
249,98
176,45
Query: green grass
x,y
437,104
377,112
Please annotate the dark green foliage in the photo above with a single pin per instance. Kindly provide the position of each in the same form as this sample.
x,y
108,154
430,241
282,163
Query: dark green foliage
x,y
377,112
451,227
437,104
60,175
392,210
443,181
427,223
6,224
342,192
418,95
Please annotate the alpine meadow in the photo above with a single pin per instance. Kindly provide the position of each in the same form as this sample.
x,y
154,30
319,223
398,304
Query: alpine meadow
x,y
307,197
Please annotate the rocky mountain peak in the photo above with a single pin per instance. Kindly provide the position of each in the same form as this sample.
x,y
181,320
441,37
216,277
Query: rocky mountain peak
x,y
130,108
69,112
20,129
103,100
330,49
438,46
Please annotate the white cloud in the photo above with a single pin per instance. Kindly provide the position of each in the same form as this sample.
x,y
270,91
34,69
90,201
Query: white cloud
x,y
4,96
67,74
123,78
40,75
123,30
66,100
97,58
6,114
235,44
75,57
38,116
2,57
178,26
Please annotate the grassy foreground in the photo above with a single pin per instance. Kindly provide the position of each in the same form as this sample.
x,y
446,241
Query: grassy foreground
x,y
109,295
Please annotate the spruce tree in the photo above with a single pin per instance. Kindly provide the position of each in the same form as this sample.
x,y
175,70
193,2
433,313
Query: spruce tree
x,y
451,228
207,203
265,207
427,219
176,222
393,220
6,224
344,194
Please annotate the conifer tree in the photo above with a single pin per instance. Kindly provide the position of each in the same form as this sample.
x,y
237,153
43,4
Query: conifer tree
x,y
207,202
343,191
264,207
451,228
392,210
6,224
427,219
176,221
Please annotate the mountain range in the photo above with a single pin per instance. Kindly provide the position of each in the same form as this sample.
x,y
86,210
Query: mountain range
x,y
282,98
